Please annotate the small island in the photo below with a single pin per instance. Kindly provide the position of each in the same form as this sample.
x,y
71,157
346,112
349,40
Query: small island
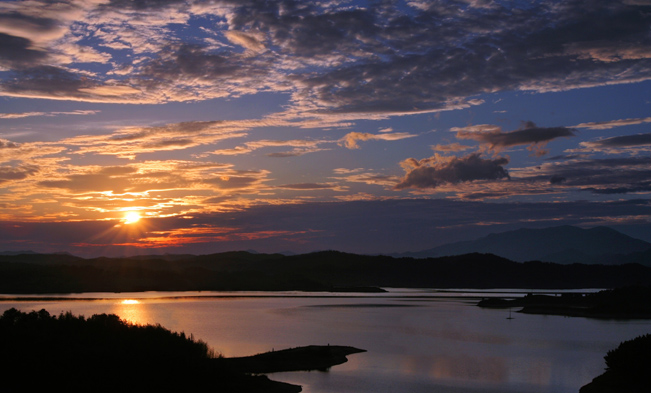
x,y
620,303
103,353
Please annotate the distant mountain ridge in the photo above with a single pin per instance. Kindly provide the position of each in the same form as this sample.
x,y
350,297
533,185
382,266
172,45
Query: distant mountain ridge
x,y
561,244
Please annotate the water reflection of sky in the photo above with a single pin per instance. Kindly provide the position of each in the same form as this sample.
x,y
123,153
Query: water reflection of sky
x,y
417,340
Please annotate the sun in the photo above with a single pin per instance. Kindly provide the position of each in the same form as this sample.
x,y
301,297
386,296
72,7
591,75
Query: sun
x,y
131,217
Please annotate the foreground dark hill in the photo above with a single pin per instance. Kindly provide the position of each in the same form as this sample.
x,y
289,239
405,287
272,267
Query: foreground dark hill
x,y
321,271
627,369
561,244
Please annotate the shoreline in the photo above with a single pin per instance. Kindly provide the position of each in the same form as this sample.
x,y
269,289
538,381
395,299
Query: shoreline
x,y
102,349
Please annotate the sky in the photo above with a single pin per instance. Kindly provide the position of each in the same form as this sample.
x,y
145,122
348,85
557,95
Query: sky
x,y
195,126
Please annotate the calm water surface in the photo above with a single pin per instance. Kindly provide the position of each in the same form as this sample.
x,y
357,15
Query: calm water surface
x,y
417,340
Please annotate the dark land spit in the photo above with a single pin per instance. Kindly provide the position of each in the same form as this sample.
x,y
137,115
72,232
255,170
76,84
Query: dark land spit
x,y
313,357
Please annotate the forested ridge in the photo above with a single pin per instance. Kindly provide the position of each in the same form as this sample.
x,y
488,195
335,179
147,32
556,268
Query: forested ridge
x,y
320,271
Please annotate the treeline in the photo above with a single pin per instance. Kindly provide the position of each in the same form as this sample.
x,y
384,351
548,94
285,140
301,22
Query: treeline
x,y
320,271
103,336
632,358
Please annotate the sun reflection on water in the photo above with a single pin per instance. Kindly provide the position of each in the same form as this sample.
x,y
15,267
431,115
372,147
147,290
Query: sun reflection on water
x,y
132,311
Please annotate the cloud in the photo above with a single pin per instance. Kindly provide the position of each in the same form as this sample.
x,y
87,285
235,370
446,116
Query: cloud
x,y
232,152
333,58
61,84
183,237
237,180
360,175
33,114
631,145
109,179
18,51
127,142
36,33
350,140
596,175
309,186
72,52
8,174
245,40
536,137
5,144
28,152
478,128
372,178
55,190
286,154
605,125
301,147
452,147
608,51
141,5
534,48
641,187
435,171
624,141
144,177
110,91
196,72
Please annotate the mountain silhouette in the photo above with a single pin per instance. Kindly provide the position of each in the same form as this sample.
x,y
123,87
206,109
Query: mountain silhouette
x,y
562,244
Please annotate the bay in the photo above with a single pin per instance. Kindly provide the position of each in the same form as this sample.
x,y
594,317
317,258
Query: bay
x,y
416,340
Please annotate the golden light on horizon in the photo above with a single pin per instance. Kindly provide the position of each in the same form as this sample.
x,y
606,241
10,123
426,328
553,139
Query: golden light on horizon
x,y
131,217
130,301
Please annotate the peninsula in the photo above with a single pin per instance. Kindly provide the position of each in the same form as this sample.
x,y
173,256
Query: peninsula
x,y
106,354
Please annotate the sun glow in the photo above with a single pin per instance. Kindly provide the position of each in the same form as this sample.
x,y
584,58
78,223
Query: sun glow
x,y
131,217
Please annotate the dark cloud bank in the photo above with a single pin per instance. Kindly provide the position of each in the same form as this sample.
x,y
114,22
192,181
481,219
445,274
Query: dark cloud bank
x,y
386,57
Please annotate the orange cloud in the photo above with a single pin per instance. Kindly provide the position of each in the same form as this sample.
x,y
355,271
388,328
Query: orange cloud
x,y
184,236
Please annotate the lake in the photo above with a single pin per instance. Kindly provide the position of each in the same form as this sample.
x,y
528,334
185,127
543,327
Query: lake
x,y
417,340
